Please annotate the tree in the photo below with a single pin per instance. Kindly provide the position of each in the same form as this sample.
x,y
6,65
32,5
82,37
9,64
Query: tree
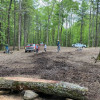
x,y
19,32
8,33
96,35
82,14
14,42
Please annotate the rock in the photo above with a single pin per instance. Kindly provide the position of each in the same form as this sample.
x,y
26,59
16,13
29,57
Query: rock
x,y
30,95
68,99
38,98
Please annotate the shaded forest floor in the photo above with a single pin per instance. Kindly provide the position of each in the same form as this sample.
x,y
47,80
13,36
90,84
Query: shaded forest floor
x,y
68,65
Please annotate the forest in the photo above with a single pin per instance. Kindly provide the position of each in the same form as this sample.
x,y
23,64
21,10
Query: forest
x,y
35,21
54,70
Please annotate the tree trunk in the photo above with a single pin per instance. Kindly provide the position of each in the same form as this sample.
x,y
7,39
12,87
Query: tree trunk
x,y
25,30
89,29
93,24
61,29
0,28
96,36
14,44
66,32
19,33
8,33
40,35
81,30
71,37
59,20
48,28
37,28
58,88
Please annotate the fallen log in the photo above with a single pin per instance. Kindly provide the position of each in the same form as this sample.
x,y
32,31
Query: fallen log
x,y
57,88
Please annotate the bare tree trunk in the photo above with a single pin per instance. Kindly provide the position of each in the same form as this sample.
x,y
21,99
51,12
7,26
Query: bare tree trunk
x,y
61,29
25,37
48,28
37,28
40,32
89,28
0,30
14,44
0,37
71,37
53,33
81,30
19,33
59,20
93,23
96,36
29,30
8,36
66,32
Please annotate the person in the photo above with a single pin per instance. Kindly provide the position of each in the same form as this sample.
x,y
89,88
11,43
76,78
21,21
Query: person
x,y
45,47
58,45
7,49
37,48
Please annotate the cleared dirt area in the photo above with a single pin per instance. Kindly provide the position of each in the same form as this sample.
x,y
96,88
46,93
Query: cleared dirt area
x,y
68,65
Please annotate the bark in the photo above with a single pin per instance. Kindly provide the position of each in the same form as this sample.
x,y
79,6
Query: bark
x,y
89,29
0,37
62,21
66,32
59,20
53,35
40,35
29,24
19,33
14,44
93,23
96,36
71,37
48,28
57,88
25,29
1,29
8,36
37,28
81,30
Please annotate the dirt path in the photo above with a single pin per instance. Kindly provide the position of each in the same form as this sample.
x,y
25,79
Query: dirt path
x,y
69,65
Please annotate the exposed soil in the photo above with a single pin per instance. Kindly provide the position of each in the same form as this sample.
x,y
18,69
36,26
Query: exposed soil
x,y
68,65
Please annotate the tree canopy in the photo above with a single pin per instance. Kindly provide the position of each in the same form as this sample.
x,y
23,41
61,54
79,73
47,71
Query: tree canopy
x,y
35,21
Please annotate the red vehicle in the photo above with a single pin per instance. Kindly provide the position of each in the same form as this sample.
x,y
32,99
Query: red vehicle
x,y
30,47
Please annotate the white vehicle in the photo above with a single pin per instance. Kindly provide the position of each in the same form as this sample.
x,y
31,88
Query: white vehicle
x,y
79,45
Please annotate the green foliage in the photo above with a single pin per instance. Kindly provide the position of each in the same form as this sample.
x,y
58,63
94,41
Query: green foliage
x,y
38,20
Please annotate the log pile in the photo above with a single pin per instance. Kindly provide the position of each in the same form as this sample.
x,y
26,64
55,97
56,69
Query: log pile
x,y
57,88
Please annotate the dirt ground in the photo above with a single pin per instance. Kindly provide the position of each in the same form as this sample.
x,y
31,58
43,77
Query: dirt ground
x,y
68,65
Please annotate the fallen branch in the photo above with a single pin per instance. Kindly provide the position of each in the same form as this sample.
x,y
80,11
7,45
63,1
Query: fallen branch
x,y
57,88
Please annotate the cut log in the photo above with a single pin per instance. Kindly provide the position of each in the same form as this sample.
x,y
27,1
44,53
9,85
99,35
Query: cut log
x,y
57,88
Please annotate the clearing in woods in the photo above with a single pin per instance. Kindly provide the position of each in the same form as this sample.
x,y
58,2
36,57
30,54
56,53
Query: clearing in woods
x,y
68,65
